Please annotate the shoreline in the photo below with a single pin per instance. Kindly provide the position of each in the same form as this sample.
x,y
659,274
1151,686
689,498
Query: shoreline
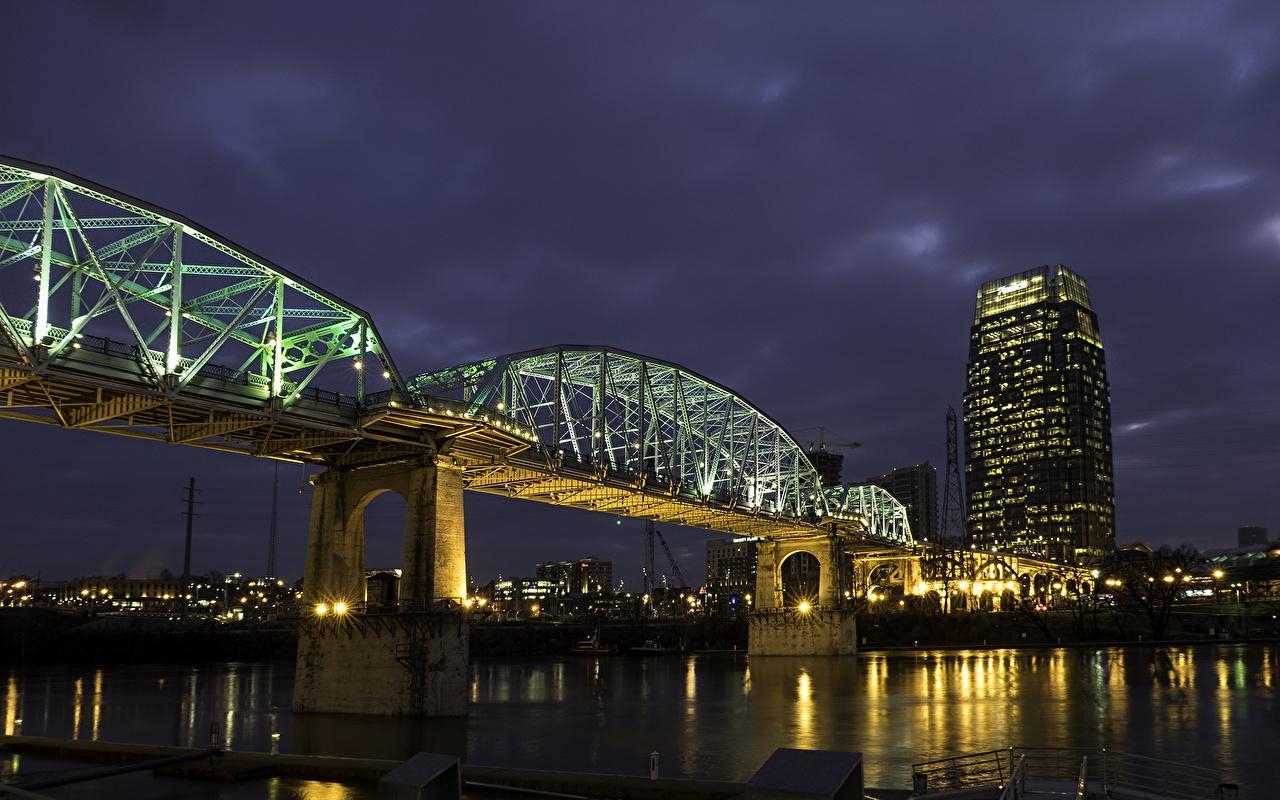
x,y
239,766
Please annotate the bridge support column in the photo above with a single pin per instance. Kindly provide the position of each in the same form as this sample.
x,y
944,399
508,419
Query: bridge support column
x,y
408,660
827,628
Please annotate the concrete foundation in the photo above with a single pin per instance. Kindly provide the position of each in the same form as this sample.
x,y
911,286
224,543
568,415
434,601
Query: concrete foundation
x,y
409,658
391,664
820,632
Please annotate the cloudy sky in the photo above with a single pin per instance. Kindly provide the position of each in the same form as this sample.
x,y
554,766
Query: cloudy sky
x,y
796,200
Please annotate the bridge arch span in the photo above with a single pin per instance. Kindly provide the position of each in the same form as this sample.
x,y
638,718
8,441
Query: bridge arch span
x,y
654,421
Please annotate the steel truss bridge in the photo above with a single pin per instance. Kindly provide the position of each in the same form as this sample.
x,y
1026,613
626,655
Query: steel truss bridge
x,y
121,317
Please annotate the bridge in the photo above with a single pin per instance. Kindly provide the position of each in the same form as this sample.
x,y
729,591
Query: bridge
x,y
121,317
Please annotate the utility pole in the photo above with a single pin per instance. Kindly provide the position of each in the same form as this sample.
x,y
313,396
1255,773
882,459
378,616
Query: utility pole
x,y
953,497
951,534
190,515
275,524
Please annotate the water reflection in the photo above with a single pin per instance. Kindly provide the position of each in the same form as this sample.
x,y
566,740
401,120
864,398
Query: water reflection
x,y
712,716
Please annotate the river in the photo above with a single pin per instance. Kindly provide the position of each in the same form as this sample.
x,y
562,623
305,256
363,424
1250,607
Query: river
x,y
716,716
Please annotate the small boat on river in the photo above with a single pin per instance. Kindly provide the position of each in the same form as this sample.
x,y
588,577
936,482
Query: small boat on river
x,y
592,646
652,647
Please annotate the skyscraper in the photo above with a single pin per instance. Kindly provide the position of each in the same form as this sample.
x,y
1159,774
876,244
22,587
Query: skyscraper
x,y
917,489
1037,420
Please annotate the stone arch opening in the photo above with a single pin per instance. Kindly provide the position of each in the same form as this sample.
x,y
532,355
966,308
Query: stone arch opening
x,y
380,518
801,574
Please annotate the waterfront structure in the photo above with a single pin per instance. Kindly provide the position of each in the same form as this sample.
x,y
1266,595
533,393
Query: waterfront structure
x,y
1037,420
583,576
916,488
1251,535
731,575
140,322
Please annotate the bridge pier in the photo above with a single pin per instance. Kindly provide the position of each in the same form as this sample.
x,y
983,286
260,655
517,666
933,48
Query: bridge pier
x,y
823,627
410,659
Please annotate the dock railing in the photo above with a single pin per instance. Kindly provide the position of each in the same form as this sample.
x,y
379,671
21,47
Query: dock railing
x,y
973,770
1069,772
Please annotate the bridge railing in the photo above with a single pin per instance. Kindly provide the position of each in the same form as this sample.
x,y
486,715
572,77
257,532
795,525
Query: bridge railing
x,y
133,354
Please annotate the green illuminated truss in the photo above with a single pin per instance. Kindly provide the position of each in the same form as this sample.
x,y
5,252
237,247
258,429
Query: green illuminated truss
x,y
160,301
122,317
661,428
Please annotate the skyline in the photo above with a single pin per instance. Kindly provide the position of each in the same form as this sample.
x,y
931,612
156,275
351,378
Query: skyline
x,y
738,190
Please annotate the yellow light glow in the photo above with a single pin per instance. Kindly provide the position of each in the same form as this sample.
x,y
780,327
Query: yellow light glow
x,y
339,607
321,609
804,607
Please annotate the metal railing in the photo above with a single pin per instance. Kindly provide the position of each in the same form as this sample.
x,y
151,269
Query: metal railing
x,y
989,768
1081,773
1173,779
1016,787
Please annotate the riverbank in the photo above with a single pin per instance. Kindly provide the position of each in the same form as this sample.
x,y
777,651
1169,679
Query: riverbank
x,y
44,636
240,767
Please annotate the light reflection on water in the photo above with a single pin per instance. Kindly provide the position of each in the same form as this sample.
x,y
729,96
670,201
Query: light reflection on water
x,y
713,716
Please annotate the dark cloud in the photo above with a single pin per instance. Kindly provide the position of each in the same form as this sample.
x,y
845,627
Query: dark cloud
x,y
798,204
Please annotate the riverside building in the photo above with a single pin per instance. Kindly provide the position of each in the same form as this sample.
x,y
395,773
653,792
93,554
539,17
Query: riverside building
x,y
1037,420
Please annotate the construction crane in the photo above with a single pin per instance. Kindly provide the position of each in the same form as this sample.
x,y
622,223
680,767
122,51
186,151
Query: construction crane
x,y
672,559
828,464
823,444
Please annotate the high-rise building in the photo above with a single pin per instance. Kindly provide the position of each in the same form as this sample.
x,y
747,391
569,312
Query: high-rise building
x,y
1037,420
829,465
731,575
582,576
1251,535
917,489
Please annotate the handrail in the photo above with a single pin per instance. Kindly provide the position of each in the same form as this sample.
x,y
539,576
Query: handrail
x,y
1016,788
1059,767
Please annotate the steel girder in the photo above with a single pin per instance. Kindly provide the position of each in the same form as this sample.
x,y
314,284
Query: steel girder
x,y
885,517
88,274
659,427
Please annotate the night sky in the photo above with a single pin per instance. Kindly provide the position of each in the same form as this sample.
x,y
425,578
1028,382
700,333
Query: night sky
x,y
798,201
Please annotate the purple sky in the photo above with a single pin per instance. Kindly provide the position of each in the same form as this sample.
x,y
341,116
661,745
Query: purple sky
x,y
799,206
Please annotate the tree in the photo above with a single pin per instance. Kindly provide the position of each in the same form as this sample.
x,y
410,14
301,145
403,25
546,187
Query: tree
x,y
1150,583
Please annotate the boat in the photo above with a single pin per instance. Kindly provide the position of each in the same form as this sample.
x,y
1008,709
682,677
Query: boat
x,y
652,647
592,646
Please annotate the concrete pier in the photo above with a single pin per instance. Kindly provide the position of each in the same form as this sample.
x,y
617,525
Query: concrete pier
x,y
410,659
788,632
819,627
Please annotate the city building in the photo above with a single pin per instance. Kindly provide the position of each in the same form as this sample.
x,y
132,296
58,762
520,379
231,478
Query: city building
x,y
1251,535
731,576
829,465
917,489
1037,420
582,576
521,598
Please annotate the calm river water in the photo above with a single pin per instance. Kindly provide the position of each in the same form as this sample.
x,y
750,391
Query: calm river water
x,y
716,716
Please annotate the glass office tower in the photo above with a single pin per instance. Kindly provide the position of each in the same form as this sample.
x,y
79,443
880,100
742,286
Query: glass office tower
x,y
1037,420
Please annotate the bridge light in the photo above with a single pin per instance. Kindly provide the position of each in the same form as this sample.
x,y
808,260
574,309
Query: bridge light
x,y
321,609
501,405
339,608
386,374
804,607
358,365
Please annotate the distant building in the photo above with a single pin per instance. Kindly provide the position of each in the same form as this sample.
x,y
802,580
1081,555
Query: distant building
x,y
830,465
1037,420
917,489
582,576
516,598
1251,535
731,576
382,589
